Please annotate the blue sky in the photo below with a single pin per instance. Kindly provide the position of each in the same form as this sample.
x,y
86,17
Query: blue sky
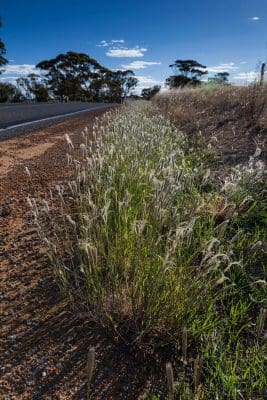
x,y
229,35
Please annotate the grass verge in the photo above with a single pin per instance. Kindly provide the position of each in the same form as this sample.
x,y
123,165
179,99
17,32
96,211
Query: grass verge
x,y
153,244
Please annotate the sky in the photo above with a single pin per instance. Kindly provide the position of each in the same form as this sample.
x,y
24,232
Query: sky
x,y
143,35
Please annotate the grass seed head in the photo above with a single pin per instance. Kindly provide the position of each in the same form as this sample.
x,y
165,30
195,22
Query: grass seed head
x,y
90,369
197,372
184,344
69,142
261,322
170,380
70,221
28,172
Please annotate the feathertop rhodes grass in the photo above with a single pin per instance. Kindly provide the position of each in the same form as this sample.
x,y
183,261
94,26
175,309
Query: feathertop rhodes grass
x,y
151,243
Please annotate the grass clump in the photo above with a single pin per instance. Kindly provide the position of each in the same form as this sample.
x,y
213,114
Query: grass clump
x,y
151,243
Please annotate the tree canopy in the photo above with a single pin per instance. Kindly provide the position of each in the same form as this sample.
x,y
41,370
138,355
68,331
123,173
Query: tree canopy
x,y
118,84
34,88
186,72
76,76
68,76
220,78
3,60
10,93
148,93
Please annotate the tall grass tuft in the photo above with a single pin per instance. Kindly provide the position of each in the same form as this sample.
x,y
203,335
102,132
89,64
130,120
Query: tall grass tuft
x,y
149,241
90,369
170,380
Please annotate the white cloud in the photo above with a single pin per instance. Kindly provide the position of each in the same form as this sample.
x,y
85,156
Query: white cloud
x,y
227,67
254,18
126,52
246,76
116,49
9,79
140,64
12,72
20,69
117,41
105,43
145,82
243,62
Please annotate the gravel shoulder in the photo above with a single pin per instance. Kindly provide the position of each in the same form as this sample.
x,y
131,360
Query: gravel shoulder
x,y
43,344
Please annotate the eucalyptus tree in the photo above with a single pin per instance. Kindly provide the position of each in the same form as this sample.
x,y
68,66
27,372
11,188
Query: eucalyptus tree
x,y
221,78
69,76
119,84
10,93
148,93
3,60
78,77
34,87
186,72
7,91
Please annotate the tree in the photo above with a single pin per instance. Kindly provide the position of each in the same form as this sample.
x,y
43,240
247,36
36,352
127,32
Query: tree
x,y
187,72
148,93
69,76
117,85
78,77
7,91
220,78
10,93
34,88
3,60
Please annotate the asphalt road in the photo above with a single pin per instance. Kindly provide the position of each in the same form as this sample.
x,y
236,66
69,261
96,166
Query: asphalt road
x,y
16,119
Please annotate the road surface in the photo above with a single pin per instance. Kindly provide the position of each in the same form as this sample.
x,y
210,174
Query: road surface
x,y
16,119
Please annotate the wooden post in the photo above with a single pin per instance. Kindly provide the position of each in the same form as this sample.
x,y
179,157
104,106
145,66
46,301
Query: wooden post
x,y
262,73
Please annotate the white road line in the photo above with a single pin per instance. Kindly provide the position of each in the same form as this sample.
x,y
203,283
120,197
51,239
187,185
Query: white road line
x,y
49,118
20,105
23,105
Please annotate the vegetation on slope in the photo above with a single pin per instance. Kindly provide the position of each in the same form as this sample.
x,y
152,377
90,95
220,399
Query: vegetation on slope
x,y
230,120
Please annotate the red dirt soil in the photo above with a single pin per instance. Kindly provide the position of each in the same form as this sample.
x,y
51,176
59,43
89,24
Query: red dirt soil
x,y
43,343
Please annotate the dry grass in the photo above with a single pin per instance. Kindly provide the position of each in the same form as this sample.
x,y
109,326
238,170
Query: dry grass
x,y
232,120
